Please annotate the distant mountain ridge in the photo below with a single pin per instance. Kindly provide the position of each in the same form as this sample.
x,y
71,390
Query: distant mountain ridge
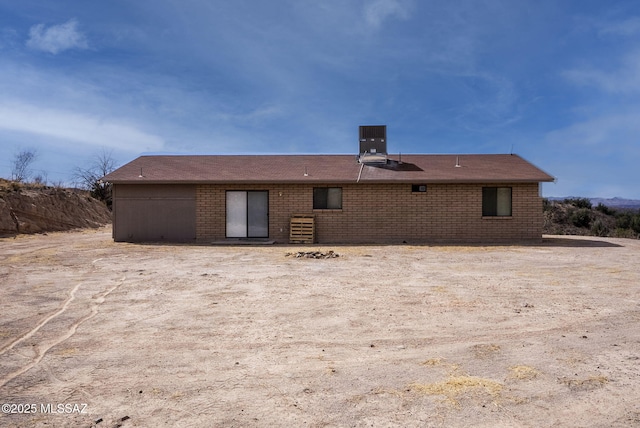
x,y
610,202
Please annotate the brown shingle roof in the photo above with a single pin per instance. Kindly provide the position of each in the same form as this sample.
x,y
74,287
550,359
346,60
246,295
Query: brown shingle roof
x,y
326,169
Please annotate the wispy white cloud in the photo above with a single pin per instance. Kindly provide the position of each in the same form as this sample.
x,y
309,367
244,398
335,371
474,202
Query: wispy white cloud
x,y
72,128
492,102
57,38
377,11
594,157
622,79
253,117
614,133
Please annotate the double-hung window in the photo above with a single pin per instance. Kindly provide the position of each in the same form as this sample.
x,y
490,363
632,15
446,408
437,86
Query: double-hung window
x,y
496,201
327,198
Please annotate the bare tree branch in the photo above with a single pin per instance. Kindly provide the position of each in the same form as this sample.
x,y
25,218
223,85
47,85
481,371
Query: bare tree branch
x,y
21,162
89,178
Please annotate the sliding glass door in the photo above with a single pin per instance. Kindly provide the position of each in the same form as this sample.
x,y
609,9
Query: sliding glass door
x,y
248,214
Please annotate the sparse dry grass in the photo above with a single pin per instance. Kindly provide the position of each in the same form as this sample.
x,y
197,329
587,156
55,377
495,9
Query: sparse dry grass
x,y
452,368
589,383
43,255
523,373
458,383
66,352
433,362
455,386
485,350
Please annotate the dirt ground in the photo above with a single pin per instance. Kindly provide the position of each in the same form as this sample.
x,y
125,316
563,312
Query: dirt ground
x,y
97,333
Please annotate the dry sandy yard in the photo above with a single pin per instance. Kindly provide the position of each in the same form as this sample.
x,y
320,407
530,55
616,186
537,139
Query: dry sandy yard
x,y
176,335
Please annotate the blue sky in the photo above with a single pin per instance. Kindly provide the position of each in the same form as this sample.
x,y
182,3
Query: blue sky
x,y
556,81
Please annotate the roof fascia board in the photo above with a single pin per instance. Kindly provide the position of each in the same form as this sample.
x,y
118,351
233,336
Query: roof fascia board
x,y
328,181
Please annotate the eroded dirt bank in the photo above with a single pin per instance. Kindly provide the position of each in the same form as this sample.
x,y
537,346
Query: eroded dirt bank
x,y
47,209
170,335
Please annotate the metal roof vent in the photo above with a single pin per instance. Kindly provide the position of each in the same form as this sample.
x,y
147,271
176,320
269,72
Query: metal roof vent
x,y
373,144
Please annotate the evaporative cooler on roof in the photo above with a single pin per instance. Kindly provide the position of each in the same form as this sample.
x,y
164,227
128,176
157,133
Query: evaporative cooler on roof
x,y
373,144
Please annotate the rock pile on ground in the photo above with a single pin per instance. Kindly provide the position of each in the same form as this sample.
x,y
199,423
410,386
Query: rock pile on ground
x,y
313,255
45,209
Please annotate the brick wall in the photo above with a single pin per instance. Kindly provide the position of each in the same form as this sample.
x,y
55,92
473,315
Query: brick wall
x,y
384,213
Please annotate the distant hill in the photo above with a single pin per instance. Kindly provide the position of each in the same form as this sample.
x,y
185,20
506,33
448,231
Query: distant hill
x,y
610,202
579,216
617,202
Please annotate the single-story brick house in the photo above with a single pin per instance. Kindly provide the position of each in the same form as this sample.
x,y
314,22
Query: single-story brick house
x,y
353,199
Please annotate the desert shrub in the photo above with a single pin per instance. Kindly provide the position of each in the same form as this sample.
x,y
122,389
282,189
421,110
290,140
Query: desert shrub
x,y
635,223
623,220
546,204
561,216
623,233
598,228
580,217
579,202
605,209
40,179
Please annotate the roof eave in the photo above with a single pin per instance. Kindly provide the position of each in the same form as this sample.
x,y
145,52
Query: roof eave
x,y
333,181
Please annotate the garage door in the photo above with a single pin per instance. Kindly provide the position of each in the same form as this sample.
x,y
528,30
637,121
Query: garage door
x,y
154,212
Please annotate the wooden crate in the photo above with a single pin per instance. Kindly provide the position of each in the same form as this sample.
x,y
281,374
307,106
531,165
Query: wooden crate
x,y
302,229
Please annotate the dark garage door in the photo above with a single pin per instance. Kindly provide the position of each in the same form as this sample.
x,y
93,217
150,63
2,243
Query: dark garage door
x,y
154,212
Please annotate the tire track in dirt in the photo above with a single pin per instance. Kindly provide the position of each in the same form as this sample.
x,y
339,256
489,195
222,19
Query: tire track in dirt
x,y
42,323
42,350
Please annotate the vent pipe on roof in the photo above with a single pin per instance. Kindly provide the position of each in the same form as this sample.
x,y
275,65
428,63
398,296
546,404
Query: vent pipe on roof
x,y
360,173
